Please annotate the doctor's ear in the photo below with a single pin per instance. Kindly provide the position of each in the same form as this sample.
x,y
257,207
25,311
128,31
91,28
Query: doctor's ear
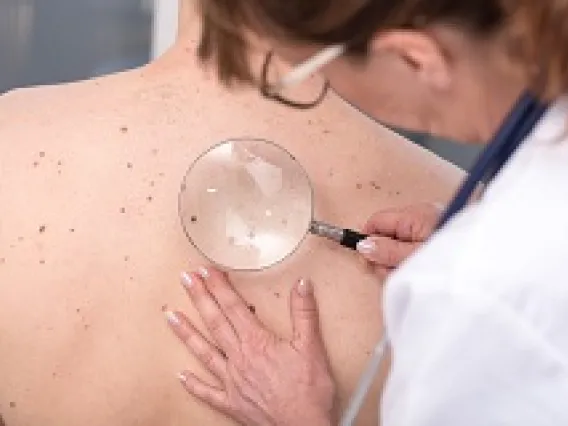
x,y
420,52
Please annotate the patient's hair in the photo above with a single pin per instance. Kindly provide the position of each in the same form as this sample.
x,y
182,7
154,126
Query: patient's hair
x,y
537,30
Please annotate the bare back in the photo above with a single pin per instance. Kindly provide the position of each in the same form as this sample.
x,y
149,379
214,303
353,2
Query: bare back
x,y
91,246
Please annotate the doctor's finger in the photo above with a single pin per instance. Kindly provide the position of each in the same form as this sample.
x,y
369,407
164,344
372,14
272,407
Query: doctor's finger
x,y
215,397
413,223
384,251
382,273
204,351
214,319
231,303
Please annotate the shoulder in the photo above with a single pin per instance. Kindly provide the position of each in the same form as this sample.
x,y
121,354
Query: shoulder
x,y
46,104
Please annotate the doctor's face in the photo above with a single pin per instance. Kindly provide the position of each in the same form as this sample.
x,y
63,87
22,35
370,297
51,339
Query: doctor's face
x,y
440,82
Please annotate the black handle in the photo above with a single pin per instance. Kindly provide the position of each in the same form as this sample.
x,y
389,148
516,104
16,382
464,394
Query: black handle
x,y
351,238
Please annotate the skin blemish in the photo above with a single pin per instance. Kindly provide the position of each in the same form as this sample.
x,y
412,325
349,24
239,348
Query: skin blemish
x,y
20,239
12,404
149,198
152,183
126,258
183,187
359,186
122,210
42,262
277,295
193,219
59,163
375,185
86,326
78,310
155,151
42,154
161,174
252,308
35,163
326,131
129,165
397,193
164,307
72,230
42,229
124,129
2,261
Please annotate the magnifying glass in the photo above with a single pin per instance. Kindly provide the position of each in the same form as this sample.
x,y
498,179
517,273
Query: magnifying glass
x,y
247,204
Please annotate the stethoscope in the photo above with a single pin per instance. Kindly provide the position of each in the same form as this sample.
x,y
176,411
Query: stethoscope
x,y
522,119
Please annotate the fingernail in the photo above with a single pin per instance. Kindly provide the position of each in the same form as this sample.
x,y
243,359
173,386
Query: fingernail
x,y
203,272
172,318
366,246
304,287
186,280
182,377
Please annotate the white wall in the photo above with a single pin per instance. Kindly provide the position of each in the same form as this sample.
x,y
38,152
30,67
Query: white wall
x,y
165,25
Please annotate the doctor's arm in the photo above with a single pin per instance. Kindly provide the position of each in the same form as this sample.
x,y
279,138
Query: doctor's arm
x,y
460,358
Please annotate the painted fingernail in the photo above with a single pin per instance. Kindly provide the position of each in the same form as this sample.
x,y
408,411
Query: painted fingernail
x,y
172,318
366,246
304,287
203,272
186,280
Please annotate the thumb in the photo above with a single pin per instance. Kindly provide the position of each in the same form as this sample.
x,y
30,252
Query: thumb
x,y
385,251
305,317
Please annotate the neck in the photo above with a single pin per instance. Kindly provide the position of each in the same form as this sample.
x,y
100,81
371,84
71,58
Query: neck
x,y
188,19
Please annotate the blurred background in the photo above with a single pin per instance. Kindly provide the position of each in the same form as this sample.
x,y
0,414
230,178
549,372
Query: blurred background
x,y
52,41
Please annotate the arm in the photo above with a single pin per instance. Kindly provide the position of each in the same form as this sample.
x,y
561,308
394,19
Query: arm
x,y
461,358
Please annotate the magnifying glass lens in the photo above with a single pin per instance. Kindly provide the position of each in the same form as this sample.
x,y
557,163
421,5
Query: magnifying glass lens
x,y
246,204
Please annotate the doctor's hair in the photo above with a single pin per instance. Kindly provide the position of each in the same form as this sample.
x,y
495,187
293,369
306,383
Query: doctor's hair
x,y
538,35
537,30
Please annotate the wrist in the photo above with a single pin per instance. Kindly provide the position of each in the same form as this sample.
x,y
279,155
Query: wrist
x,y
311,420
323,419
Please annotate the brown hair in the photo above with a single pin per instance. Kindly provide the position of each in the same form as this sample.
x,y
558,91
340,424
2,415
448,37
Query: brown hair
x,y
537,29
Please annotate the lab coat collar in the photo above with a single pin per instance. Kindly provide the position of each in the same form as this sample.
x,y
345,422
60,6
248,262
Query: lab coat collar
x,y
553,127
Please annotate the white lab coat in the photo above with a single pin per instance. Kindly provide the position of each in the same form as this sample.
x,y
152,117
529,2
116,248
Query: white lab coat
x,y
478,318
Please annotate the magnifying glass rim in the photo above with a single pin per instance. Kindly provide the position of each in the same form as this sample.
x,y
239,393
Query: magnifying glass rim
x,y
183,187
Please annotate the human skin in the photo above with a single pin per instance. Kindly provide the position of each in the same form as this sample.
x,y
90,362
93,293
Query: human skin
x,y
91,246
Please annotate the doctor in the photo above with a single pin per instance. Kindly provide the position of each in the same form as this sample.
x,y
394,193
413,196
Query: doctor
x,y
477,318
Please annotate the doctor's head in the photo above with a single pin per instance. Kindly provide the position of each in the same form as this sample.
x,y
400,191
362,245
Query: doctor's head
x,y
449,67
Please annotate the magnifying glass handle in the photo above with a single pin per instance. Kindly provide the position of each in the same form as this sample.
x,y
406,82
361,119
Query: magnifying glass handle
x,y
346,237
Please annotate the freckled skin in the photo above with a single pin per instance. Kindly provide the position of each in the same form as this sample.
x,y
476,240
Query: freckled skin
x,y
82,336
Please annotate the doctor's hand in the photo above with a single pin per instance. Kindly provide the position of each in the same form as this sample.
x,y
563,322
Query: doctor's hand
x,y
262,379
396,233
